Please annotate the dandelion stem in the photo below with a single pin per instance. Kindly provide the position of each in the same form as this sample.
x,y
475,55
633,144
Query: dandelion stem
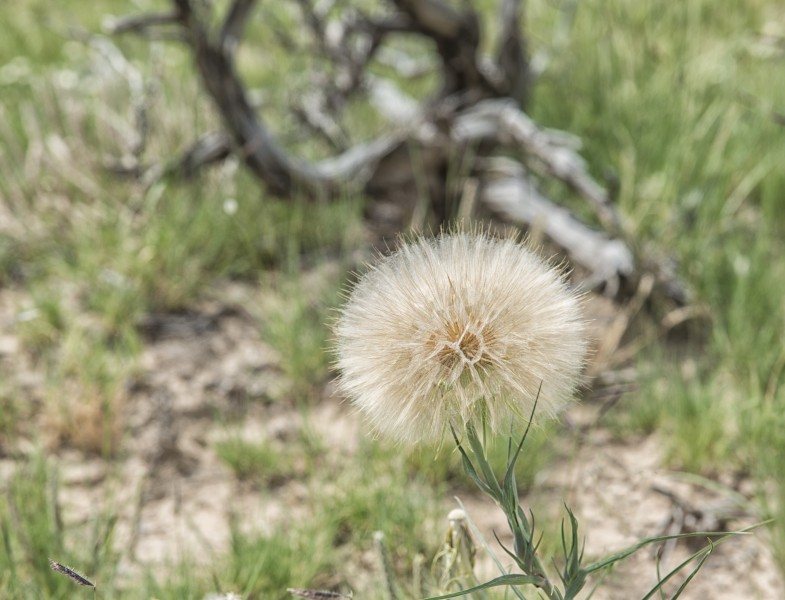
x,y
506,496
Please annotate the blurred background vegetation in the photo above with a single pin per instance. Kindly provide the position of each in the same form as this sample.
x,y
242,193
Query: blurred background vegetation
x,y
680,104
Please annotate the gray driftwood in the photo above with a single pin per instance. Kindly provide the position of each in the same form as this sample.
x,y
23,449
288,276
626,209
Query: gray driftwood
x,y
477,114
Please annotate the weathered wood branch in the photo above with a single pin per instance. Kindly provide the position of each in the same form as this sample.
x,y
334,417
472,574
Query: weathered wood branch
x,y
312,112
476,114
232,29
283,175
349,44
511,55
552,151
140,24
457,39
508,191
208,149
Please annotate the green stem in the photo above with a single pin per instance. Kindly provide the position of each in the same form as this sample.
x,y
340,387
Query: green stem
x,y
507,499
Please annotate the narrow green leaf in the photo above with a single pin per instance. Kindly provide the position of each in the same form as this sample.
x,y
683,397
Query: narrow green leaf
x,y
694,572
705,551
469,468
512,460
503,580
614,558
510,553
487,470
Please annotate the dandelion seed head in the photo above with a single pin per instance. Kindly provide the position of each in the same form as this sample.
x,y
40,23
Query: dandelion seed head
x,y
460,328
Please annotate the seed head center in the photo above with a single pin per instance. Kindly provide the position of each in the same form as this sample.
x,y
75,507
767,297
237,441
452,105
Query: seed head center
x,y
465,344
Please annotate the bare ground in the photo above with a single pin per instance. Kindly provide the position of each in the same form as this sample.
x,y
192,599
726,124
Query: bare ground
x,y
208,374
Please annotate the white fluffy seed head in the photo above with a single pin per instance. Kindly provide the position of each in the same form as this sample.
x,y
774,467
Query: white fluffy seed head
x,y
462,328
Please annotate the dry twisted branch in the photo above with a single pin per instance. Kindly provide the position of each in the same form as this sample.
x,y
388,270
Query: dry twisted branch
x,y
477,107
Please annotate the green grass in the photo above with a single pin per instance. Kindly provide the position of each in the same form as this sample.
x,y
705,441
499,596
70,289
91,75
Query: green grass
x,y
346,504
255,566
257,461
33,532
295,321
672,100
675,100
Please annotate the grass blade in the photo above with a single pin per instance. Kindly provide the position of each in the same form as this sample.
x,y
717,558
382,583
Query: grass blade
x,y
504,580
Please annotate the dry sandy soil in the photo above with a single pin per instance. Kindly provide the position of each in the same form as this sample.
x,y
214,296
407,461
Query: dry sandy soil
x,y
174,494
